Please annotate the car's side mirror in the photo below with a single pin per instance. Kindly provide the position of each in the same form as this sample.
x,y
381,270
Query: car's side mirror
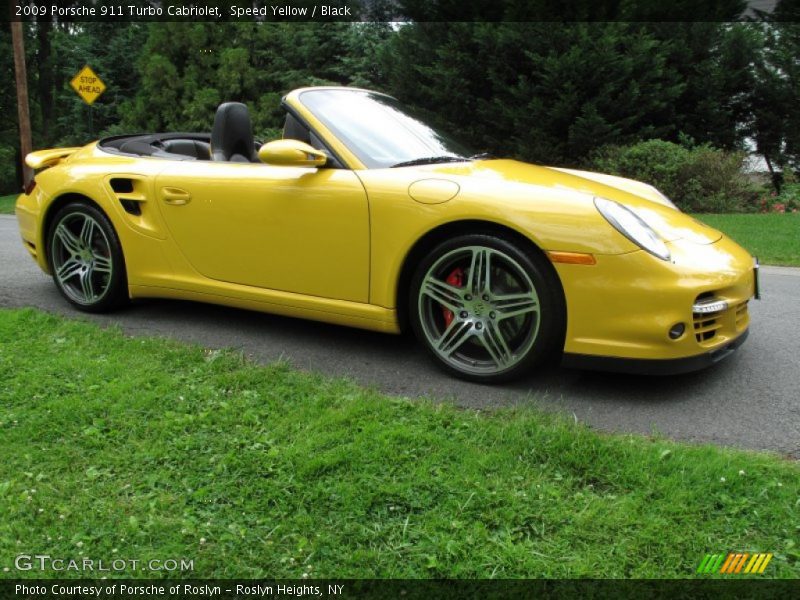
x,y
291,153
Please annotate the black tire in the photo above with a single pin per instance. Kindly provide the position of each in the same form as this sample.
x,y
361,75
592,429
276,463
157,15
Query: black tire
x,y
477,315
88,266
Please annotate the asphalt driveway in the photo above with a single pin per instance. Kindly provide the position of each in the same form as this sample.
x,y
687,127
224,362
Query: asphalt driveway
x,y
750,400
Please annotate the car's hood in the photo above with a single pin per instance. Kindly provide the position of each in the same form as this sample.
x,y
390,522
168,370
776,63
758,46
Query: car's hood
x,y
649,204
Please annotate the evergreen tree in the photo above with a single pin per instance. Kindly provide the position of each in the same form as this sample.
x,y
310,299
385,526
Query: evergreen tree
x,y
774,121
543,91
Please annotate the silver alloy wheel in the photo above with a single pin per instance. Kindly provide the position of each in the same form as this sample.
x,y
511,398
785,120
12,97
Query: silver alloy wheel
x,y
81,256
489,322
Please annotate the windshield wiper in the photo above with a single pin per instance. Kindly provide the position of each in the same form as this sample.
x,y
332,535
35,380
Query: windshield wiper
x,y
482,156
429,160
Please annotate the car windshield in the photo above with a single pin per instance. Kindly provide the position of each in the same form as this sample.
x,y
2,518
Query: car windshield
x,y
379,131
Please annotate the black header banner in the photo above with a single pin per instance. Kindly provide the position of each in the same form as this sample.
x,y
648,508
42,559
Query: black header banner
x,y
402,10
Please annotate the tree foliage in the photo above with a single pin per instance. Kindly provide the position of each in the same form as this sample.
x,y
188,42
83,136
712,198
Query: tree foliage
x,y
774,118
543,91
186,70
555,92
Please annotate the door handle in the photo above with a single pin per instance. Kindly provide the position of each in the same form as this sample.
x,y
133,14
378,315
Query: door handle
x,y
175,196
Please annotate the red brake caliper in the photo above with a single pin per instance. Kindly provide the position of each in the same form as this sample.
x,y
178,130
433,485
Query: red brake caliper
x,y
456,279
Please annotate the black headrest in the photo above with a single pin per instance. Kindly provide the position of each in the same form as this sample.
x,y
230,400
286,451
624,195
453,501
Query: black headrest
x,y
232,136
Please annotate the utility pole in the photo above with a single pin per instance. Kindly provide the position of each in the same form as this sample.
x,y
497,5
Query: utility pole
x,y
23,109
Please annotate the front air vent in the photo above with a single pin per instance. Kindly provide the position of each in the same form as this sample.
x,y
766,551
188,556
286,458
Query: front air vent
x,y
742,316
705,328
705,316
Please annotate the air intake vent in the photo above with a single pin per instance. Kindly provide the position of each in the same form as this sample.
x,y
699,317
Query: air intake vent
x,y
129,193
705,328
132,207
122,186
741,316
706,315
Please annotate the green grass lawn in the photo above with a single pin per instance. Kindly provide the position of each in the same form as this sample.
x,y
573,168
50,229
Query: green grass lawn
x,y
7,204
147,448
773,237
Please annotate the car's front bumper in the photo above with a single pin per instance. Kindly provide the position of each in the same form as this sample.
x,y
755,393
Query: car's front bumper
x,y
620,310
639,366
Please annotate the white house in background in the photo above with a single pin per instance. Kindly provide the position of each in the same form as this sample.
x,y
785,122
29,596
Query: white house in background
x,y
759,5
755,166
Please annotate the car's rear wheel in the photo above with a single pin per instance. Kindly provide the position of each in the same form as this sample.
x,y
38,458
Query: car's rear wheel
x,y
487,309
86,259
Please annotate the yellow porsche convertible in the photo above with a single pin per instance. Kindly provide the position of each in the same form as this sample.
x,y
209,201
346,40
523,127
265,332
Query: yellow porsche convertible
x,y
363,215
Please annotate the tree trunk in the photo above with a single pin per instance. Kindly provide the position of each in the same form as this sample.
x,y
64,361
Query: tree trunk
x,y
776,177
23,110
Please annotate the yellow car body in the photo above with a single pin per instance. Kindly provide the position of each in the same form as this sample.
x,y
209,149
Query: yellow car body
x,y
338,245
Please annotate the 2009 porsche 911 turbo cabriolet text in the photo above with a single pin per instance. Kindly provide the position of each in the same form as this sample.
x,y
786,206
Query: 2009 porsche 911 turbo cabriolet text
x,y
363,215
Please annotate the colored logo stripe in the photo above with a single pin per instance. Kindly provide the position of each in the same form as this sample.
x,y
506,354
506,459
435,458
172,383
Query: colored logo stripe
x,y
749,567
740,564
710,563
728,562
734,562
761,563
733,565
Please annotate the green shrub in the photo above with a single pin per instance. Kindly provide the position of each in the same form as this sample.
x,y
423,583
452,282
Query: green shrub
x,y
8,170
787,201
697,178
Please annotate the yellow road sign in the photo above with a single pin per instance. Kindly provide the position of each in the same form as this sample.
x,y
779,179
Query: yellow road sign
x,y
88,85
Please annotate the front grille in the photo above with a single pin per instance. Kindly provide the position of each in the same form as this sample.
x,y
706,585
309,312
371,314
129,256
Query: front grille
x,y
741,316
706,326
728,318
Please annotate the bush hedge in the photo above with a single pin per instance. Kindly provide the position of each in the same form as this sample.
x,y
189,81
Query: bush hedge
x,y
787,201
696,178
8,170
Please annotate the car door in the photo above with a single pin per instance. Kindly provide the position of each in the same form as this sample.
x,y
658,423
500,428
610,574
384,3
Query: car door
x,y
295,229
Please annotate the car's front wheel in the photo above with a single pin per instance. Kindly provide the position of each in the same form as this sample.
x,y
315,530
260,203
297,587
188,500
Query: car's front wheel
x,y
486,308
86,259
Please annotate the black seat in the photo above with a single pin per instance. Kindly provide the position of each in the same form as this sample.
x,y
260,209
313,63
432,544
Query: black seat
x,y
188,147
232,136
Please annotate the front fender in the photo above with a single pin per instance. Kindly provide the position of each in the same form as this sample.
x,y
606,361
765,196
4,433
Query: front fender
x,y
550,219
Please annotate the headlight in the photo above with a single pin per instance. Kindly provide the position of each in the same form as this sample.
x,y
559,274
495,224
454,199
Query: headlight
x,y
631,225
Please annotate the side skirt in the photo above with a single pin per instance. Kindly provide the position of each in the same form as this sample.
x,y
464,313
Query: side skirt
x,y
338,312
